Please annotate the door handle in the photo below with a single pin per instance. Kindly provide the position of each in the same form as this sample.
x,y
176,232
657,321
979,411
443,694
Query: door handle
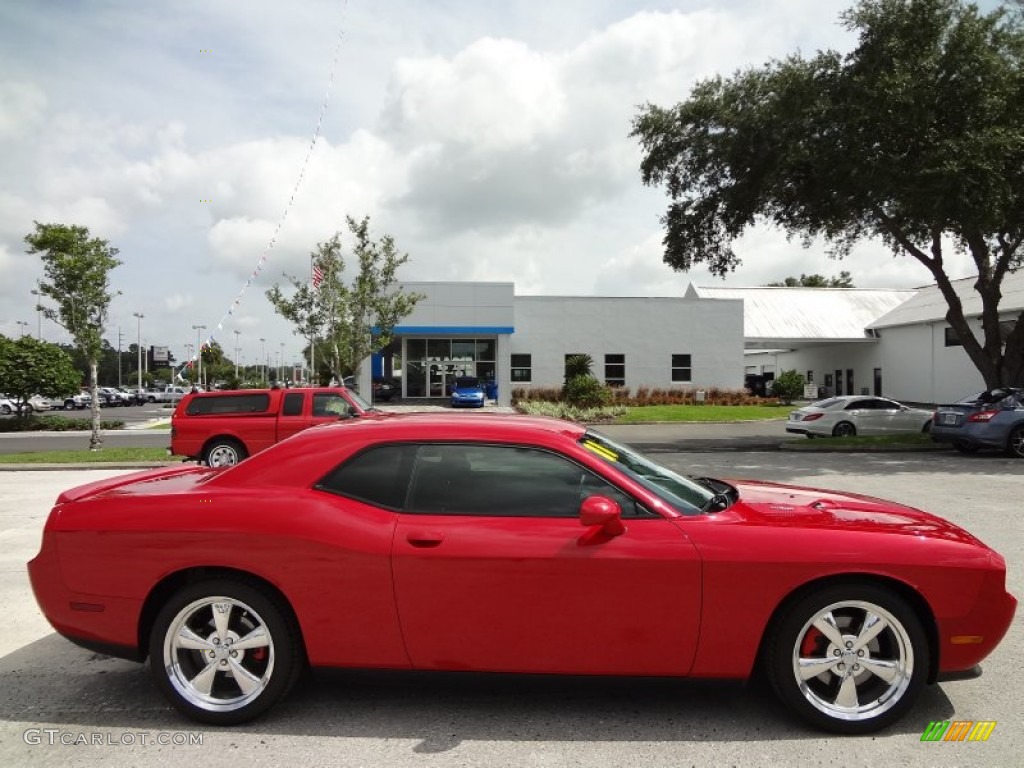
x,y
425,538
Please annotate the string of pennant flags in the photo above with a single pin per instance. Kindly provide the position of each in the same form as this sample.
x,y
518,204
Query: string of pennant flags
x,y
261,263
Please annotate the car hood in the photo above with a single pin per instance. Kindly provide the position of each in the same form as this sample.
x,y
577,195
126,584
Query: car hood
x,y
775,504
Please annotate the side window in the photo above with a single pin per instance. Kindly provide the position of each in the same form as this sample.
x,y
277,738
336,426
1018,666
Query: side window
x,y
379,476
292,404
860,405
329,404
503,481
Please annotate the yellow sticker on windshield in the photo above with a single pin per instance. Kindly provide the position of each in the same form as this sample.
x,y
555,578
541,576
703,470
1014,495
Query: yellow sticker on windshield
x,y
600,450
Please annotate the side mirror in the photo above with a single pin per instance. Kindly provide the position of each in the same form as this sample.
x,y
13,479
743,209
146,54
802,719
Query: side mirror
x,y
602,511
352,411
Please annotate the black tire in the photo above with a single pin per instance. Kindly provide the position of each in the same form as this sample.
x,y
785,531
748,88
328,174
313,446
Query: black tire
x,y
965,447
844,429
5,410
927,427
190,653
224,452
69,405
1015,445
852,669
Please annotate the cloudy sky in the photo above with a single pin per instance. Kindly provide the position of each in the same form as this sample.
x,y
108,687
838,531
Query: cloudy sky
x,y
490,138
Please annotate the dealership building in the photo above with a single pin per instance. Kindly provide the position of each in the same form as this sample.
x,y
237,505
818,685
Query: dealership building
x,y
894,343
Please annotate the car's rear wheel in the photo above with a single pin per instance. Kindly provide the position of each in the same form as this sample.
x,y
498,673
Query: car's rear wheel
x,y
848,658
224,652
1015,445
927,427
5,409
224,452
844,429
965,447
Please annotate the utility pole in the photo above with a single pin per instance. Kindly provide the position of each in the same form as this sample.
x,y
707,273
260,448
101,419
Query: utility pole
x,y
120,338
39,311
237,334
263,360
138,343
199,352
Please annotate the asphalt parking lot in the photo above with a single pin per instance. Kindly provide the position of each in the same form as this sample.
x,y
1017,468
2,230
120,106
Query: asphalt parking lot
x,y
51,690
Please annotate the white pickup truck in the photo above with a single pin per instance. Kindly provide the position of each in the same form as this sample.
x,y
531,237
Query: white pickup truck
x,y
166,394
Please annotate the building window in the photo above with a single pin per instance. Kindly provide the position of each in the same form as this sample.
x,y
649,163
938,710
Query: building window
x,y
568,357
951,338
615,370
681,368
810,377
522,368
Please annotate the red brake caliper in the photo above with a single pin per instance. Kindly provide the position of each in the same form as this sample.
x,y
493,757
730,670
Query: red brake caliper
x,y
810,643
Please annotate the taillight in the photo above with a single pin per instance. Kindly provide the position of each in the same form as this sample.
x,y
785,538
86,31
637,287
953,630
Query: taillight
x,y
813,416
982,416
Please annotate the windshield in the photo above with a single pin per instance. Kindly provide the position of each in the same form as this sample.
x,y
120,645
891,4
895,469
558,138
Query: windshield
x,y
358,400
681,493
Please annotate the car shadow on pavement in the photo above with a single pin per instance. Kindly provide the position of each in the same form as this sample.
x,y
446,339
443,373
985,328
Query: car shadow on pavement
x,y
52,681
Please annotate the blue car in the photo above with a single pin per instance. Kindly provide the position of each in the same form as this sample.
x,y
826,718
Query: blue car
x,y
468,391
992,419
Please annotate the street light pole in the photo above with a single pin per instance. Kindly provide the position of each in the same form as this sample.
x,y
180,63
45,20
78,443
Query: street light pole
x,y
39,311
280,371
138,344
237,334
24,325
263,360
199,352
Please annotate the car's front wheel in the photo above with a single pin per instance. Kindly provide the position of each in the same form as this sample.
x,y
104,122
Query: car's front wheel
x,y
223,652
224,452
848,658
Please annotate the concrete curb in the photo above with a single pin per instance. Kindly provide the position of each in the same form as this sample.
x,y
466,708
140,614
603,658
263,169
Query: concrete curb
x,y
89,465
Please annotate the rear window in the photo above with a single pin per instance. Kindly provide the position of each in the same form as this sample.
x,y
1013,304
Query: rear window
x,y
257,402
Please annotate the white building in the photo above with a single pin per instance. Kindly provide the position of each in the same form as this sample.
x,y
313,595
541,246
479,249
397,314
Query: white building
x,y
485,330
843,340
849,341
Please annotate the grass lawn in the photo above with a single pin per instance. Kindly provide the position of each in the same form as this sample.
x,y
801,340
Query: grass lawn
x,y
164,426
105,455
649,414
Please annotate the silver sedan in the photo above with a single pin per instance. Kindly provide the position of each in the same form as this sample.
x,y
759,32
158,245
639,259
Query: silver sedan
x,y
857,415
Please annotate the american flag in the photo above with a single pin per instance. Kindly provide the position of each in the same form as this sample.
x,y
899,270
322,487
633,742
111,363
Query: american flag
x,y
318,276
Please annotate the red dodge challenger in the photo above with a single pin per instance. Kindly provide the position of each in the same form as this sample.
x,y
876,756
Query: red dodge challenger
x,y
512,544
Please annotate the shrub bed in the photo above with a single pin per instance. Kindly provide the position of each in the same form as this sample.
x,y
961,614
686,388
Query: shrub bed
x,y
53,424
623,396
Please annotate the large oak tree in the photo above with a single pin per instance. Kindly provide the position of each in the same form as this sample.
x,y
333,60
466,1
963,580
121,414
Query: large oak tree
x,y
915,137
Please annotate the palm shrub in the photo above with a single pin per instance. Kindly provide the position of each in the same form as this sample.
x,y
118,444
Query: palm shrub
x,y
581,389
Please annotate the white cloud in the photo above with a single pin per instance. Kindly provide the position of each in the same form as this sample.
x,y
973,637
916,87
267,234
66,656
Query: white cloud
x,y
24,105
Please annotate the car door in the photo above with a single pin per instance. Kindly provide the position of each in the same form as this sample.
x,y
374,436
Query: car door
x,y
863,415
494,571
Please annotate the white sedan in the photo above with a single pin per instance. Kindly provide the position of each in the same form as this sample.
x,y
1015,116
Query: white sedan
x,y
857,415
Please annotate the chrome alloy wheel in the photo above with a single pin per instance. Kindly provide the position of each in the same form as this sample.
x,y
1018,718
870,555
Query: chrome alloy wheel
x,y
218,654
853,660
223,455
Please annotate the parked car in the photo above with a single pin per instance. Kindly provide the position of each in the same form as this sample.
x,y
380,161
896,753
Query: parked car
x,y
467,390
223,428
384,390
511,544
9,405
993,419
39,403
112,397
849,415
77,401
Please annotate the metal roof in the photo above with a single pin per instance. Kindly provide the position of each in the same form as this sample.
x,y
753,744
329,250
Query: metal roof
x,y
928,305
798,316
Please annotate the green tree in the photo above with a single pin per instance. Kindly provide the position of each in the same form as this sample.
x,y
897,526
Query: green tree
x,y
347,320
914,137
816,281
30,367
77,270
788,386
